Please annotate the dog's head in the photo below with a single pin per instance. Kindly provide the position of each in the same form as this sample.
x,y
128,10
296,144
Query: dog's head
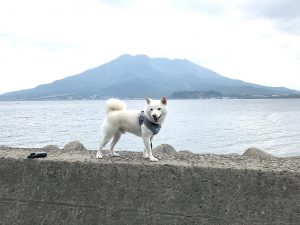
x,y
156,110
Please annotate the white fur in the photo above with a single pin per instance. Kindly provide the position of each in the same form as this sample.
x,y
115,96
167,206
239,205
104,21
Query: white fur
x,y
114,104
119,120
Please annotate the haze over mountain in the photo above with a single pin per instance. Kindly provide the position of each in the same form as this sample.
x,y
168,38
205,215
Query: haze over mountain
x,y
139,76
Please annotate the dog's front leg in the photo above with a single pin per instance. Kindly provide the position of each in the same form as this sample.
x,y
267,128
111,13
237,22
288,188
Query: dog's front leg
x,y
148,150
147,136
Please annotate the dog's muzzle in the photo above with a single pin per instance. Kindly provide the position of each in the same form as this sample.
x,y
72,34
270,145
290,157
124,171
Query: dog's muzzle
x,y
156,118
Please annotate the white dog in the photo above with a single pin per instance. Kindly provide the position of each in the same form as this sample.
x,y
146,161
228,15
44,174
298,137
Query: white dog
x,y
144,124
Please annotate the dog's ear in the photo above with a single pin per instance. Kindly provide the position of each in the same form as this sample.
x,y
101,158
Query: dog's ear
x,y
148,100
164,100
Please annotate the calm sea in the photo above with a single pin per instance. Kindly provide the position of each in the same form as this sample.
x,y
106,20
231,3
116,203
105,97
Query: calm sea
x,y
202,126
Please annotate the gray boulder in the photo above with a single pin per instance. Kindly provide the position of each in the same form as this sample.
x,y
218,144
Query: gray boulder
x,y
164,151
74,146
255,152
51,148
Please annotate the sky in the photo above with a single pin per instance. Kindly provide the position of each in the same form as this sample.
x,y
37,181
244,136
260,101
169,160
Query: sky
x,y
251,40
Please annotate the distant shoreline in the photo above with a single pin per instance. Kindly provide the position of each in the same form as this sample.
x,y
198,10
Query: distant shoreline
x,y
171,98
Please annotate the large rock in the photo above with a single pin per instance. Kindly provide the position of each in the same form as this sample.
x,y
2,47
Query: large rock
x,y
74,146
164,151
51,148
255,152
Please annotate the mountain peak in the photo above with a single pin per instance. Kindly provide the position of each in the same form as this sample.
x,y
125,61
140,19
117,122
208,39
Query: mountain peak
x,y
136,76
128,56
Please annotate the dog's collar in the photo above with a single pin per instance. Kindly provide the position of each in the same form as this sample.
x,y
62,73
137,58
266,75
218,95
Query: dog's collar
x,y
154,127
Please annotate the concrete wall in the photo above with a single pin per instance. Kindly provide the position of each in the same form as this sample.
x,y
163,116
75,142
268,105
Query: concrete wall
x,y
48,192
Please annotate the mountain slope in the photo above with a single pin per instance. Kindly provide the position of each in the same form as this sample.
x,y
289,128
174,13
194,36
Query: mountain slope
x,y
138,76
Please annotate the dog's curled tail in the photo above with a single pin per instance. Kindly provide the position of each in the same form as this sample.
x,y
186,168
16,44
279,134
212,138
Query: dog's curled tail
x,y
114,104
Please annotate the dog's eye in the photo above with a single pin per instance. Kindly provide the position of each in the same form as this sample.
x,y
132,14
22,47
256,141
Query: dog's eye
x,y
159,109
151,109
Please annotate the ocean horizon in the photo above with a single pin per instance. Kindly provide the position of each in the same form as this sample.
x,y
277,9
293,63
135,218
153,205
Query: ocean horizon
x,y
218,126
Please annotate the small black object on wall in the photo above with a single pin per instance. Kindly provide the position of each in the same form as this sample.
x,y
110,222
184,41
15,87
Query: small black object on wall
x,y
37,155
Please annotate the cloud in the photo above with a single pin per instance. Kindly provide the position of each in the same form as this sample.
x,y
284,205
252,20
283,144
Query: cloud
x,y
283,14
117,3
49,40
212,8
14,39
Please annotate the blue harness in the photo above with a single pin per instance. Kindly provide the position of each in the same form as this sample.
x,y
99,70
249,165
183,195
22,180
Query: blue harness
x,y
154,127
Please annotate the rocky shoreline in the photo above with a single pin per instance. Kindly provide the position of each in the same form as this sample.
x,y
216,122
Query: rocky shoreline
x,y
252,159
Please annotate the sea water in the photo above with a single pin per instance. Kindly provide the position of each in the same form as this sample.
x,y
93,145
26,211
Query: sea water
x,y
219,126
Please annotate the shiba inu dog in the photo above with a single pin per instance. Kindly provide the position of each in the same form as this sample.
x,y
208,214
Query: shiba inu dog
x,y
144,124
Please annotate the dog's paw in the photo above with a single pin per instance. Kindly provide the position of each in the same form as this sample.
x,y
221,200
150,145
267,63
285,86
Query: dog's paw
x,y
153,159
115,154
145,156
99,156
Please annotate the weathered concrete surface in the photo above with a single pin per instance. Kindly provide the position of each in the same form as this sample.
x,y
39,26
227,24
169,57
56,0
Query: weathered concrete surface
x,y
75,188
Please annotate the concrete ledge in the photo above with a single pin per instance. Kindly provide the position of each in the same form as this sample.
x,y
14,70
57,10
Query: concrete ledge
x,y
129,190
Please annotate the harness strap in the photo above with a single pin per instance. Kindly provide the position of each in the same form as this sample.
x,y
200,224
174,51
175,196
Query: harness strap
x,y
141,118
154,127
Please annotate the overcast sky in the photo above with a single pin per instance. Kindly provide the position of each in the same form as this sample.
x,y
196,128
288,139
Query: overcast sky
x,y
252,40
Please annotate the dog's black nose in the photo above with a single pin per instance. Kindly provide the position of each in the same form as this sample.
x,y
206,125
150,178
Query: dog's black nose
x,y
155,117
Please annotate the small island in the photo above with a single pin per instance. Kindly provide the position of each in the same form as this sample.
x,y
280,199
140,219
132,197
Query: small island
x,y
218,95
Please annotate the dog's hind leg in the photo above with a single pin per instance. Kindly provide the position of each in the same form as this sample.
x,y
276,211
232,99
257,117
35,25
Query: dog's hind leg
x,y
105,140
116,138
